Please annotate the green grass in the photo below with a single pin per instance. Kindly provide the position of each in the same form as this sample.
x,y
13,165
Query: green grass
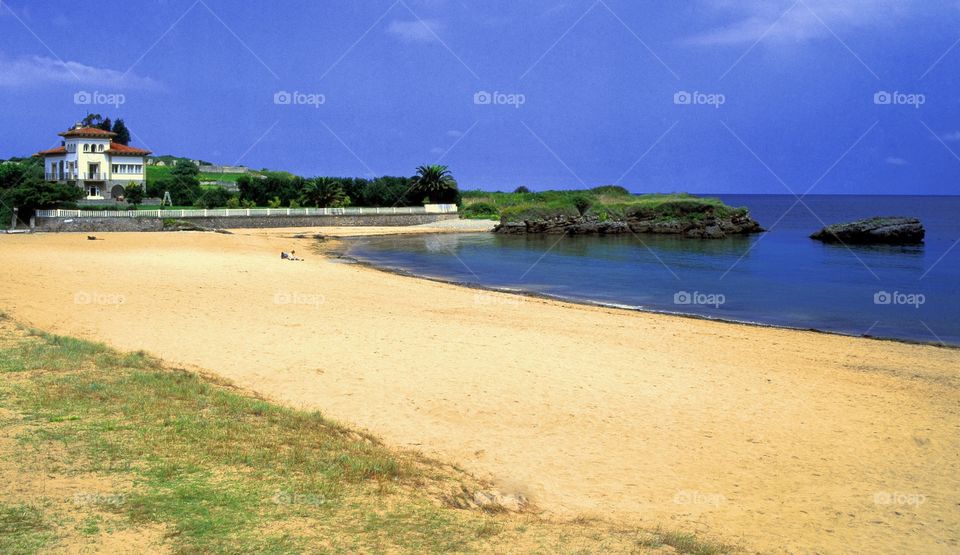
x,y
211,470
608,202
23,529
158,172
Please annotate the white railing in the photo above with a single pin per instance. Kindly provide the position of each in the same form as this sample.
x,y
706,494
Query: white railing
x,y
241,212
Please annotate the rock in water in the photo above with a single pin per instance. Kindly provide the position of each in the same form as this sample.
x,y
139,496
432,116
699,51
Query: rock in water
x,y
888,231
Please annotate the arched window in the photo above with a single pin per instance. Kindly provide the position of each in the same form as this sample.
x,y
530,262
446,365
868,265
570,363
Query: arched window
x,y
100,148
86,147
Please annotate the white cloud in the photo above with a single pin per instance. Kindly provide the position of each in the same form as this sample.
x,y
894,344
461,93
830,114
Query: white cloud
x,y
894,161
418,30
793,21
39,71
952,137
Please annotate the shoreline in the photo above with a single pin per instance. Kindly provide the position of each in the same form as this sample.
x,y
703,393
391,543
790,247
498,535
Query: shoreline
x,y
588,302
754,435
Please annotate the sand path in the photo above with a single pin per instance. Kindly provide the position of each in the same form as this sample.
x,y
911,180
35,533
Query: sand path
x,y
785,441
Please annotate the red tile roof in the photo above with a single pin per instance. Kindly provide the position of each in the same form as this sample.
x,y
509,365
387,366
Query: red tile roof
x,y
53,151
86,132
117,148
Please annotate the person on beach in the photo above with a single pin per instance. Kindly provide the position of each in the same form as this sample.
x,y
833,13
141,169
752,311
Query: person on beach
x,y
292,255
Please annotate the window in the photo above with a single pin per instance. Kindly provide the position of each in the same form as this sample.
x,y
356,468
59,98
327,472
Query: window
x,y
86,147
115,168
100,148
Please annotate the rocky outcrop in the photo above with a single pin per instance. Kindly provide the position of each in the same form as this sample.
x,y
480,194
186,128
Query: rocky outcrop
x,y
702,225
888,231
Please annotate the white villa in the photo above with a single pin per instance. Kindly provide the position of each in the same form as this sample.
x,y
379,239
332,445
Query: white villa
x,y
88,157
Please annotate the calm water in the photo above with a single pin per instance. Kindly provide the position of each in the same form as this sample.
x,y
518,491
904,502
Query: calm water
x,y
780,277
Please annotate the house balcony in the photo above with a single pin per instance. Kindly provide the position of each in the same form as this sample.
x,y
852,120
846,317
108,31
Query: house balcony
x,y
75,176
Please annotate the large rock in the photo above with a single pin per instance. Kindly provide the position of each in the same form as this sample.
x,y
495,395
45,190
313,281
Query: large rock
x,y
709,227
889,231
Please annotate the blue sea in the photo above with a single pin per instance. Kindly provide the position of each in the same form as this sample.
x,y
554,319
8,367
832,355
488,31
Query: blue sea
x,y
780,277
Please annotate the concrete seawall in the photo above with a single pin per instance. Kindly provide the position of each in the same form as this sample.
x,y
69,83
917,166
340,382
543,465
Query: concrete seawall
x,y
156,224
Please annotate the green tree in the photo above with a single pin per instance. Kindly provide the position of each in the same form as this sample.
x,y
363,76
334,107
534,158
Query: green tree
x,y
22,186
133,193
323,192
123,134
91,120
183,183
214,197
106,124
436,182
521,189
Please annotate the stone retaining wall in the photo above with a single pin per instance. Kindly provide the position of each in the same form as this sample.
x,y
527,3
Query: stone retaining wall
x,y
156,224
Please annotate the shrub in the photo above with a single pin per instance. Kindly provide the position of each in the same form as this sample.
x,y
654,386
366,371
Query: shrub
x,y
480,210
521,190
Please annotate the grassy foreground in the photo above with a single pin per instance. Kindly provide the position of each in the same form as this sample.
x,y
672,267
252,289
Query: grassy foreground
x,y
109,451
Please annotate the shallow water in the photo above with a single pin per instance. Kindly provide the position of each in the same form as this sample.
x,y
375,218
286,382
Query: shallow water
x,y
780,277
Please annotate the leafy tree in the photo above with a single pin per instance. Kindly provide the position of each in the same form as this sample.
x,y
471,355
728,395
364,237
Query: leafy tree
x,y
106,124
123,134
91,120
214,197
436,182
183,183
389,191
133,193
322,192
521,189
22,186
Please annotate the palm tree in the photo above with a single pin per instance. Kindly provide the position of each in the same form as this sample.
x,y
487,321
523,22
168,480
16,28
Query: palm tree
x,y
322,192
434,181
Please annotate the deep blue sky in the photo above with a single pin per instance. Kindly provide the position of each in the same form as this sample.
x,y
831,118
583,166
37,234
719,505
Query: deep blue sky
x,y
798,79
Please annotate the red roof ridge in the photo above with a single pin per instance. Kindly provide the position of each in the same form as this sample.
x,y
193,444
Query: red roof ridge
x,y
81,131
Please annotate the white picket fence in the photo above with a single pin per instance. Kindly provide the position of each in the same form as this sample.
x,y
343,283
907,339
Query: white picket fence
x,y
239,212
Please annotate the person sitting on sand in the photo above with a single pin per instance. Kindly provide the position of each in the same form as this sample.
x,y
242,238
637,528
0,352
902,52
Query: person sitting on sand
x,y
292,255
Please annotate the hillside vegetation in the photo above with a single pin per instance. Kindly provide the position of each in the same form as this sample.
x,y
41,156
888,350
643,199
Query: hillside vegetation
x,y
605,203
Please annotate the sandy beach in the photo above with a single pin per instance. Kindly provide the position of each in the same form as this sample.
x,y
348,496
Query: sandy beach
x,y
783,441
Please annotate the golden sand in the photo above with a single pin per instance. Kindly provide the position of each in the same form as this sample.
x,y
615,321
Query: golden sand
x,y
781,440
